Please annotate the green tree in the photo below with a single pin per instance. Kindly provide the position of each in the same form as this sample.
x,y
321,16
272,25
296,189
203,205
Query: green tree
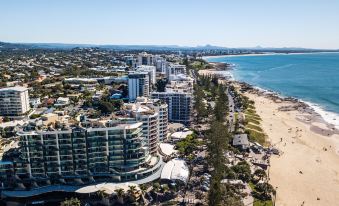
x,y
243,171
71,202
143,190
132,192
260,174
161,85
120,193
105,107
263,191
218,137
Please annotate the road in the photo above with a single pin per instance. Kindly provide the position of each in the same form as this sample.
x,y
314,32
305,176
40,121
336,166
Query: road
x,y
231,114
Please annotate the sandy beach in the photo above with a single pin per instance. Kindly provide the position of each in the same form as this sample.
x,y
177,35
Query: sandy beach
x,y
306,172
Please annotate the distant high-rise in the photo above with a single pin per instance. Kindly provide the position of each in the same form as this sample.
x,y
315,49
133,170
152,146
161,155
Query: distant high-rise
x,y
145,59
161,64
151,70
138,85
14,101
175,69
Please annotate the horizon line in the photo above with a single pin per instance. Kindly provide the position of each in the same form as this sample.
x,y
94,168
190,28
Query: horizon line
x,y
172,45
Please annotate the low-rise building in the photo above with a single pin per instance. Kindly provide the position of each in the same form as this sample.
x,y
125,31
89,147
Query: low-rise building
x,y
34,102
241,141
175,171
62,101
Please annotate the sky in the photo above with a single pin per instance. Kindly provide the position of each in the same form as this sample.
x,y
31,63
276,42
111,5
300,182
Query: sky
x,y
229,23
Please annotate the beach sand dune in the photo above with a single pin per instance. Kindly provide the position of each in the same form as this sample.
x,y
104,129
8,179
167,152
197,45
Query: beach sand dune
x,y
307,171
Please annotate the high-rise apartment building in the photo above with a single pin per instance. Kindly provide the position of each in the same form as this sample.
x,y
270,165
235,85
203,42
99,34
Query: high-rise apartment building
x,y
138,85
14,101
110,150
145,59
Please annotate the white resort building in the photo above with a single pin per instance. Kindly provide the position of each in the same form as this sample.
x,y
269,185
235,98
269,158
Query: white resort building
x,y
94,151
14,101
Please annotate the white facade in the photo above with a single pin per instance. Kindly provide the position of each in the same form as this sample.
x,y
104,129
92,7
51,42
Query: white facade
x,y
14,101
138,85
175,170
151,70
145,59
35,102
175,69
180,83
162,109
161,64
62,101
153,114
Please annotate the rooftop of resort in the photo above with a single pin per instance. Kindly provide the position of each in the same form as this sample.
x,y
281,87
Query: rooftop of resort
x,y
175,170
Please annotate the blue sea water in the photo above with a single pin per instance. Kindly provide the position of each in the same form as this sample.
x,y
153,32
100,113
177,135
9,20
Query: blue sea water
x,y
313,78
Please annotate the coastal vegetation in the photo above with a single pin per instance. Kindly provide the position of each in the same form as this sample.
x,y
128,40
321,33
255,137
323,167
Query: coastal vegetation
x,y
218,138
209,91
71,202
188,145
252,122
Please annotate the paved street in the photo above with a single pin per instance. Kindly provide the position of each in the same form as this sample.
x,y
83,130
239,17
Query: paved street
x,y
231,116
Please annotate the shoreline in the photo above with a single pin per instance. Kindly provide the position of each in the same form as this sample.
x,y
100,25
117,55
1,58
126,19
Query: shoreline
x,y
308,165
315,109
306,171
329,117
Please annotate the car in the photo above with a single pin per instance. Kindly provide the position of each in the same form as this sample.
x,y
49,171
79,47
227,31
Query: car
x,y
205,188
206,174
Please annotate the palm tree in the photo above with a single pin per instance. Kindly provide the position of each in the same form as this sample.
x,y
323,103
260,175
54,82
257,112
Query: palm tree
x,y
120,193
71,202
143,191
132,192
103,196
261,174
156,188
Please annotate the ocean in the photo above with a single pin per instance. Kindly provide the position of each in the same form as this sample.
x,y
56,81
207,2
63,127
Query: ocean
x,y
312,78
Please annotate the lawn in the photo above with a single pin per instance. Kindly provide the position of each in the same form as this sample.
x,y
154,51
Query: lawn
x,y
262,203
252,115
253,126
259,202
198,65
256,136
252,120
